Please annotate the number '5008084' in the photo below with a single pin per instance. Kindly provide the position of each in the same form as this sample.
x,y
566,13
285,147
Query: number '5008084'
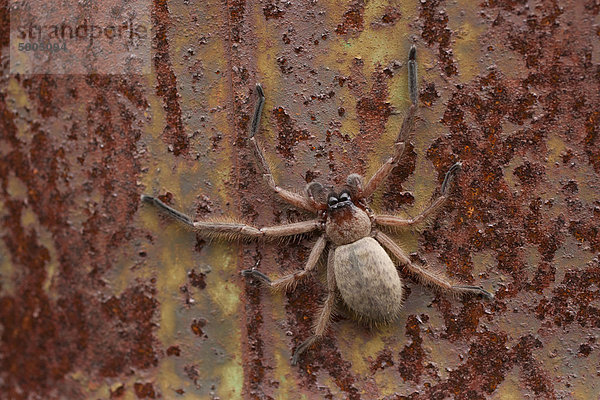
x,y
42,46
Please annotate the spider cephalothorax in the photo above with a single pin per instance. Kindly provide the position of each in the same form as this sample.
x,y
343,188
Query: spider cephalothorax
x,y
361,275
345,222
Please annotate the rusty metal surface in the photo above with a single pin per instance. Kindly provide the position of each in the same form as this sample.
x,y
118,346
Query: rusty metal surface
x,y
101,298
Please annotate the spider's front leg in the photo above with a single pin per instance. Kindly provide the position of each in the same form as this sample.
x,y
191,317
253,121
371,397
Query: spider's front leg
x,y
288,282
234,230
392,220
407,126
291,197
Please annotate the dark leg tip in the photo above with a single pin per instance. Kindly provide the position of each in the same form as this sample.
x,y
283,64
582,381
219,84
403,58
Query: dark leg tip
x,y
412,53
476,290
302,348
256,274
259,90
257,111
147,199
295,359
487,295
454,169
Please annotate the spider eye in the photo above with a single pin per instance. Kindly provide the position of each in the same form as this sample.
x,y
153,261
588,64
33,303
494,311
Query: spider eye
x,y
332,201
344,197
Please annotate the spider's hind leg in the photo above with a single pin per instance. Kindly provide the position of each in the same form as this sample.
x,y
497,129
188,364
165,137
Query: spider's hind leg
x,y
325,314
427,277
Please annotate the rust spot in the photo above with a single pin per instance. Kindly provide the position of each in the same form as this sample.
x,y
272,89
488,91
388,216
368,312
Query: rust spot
x,y
570,187
429,95
573,299
197,279
283,65
192,373
411,357
174,351
118,393
272,10
144,390
287,133
592,139
44,339
394,194
544,276
137,341
435,31
384,359
585,349
236,9
463,325
352,20
372,108
311,175
488,361
197,326
254,321
530,173
166,198
392,14
173,133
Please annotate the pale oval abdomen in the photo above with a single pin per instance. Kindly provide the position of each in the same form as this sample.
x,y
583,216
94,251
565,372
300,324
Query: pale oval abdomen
x,y
367,280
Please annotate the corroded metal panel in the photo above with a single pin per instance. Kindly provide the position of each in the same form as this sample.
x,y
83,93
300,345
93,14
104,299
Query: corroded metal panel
x,y
102,298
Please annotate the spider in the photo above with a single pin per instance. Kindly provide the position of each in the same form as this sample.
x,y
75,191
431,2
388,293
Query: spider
x,y
361,276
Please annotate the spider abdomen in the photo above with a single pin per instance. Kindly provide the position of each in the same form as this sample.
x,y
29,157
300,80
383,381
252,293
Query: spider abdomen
x,y
368,281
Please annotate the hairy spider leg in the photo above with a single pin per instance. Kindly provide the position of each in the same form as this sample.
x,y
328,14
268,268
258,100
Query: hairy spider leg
x,y
407,126
326,313
288,283
429,278
234,230
292,198
392,220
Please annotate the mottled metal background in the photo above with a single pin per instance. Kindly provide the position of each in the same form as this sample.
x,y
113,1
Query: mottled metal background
x,y
101,298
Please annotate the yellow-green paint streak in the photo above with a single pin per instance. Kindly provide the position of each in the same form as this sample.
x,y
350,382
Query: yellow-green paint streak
x,y
509,388
583,175
16,95
16,188
363,344
556,146
283,372
215,356
372,45
272,79
29,220
484,262
509,175
7,269
468,25
52,267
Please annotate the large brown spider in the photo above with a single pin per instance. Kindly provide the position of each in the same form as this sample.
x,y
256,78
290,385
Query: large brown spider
x,y
361,276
